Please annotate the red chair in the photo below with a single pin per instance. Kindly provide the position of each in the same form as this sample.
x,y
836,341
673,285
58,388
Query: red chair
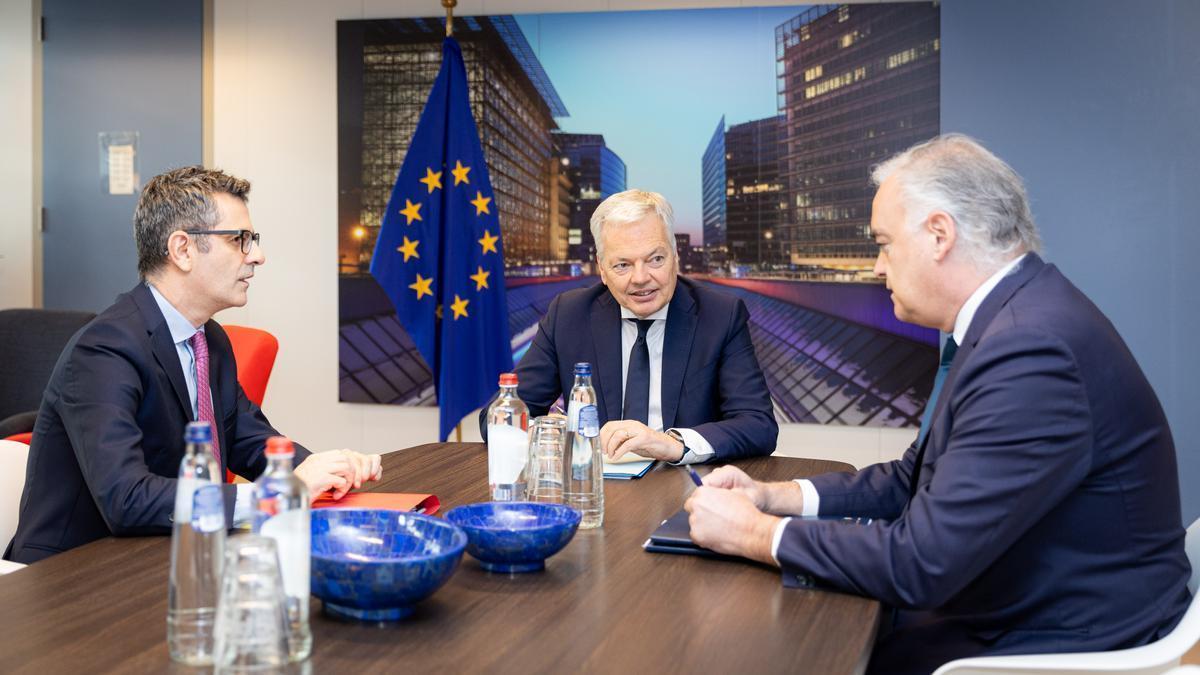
x,y
255,352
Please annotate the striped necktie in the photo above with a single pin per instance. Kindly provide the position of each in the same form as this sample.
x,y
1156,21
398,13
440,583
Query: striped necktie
x,y
203,393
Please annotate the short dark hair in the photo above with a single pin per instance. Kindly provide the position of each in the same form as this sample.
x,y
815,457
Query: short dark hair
x,y
176,200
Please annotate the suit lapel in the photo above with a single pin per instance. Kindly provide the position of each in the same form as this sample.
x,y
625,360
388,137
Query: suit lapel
x,y
606,338
677,347
163,346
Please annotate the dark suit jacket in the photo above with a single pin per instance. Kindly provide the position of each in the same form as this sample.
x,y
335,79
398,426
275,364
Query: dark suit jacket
x,y
1047,515
109,435
711,381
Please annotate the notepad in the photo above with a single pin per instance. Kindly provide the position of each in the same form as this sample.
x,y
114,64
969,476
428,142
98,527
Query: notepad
x,y
397,501
674,535
627,470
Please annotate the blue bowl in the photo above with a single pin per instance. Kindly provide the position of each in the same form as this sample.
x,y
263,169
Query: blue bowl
x,y
515,536
374,564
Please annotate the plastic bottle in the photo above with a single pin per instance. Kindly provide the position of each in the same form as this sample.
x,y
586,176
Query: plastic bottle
x,y
583,467
197,550
284,515
508,443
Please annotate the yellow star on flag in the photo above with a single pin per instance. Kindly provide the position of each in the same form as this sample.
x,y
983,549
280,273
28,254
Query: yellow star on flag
x,y
432,179
460,172
409,249
480,278
422,287
459,306
481,203
488,242
411,211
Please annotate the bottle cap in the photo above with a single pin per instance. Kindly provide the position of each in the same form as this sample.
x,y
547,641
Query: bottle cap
x,y
583,368
198,432
278,446
508,380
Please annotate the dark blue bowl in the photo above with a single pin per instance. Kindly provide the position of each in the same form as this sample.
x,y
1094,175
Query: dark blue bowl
x,y
515,536
374,564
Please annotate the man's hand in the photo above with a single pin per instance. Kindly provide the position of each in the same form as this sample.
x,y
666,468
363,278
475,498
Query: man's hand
x,y
337,470
726,521
732,478
621,436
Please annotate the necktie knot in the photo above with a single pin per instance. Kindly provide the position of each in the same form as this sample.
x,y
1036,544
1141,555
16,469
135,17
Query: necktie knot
x,y
948,351
199,343
643,326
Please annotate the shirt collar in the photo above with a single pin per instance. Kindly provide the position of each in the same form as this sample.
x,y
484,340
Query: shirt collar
x,y
661,314
963,321
181,329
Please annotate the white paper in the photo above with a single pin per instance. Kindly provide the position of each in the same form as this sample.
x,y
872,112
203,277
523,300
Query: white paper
x,y
508,451
120,170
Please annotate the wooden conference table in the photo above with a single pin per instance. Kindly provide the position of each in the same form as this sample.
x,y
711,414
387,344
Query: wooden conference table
x,y
602,604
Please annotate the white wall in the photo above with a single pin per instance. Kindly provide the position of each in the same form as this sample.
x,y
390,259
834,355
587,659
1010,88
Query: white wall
x,y
20,124
275,123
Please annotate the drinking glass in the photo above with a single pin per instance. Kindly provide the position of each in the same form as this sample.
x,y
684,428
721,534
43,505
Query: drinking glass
x,y
547,446
251,627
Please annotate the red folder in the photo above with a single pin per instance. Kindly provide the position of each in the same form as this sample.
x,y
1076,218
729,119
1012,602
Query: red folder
x,y
398,501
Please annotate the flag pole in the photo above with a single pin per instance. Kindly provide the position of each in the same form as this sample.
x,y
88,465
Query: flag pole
x,y
449,5
458,433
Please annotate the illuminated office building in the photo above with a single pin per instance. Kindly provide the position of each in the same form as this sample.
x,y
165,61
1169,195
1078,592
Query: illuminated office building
x,y
857,84
595,172
712,198
755,203
512,99
562,203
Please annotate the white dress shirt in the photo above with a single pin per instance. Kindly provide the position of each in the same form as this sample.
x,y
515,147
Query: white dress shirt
x,y
182,330
698,449
962,321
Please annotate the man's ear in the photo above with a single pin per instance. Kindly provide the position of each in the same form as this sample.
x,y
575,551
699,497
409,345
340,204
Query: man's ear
x,y
945,233
181,250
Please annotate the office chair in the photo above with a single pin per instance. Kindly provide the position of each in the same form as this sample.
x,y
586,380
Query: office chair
x,y
1152,659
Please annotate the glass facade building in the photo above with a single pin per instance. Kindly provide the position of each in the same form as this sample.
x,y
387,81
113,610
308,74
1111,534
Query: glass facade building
x,y
712,198
856,84
513,102
755,204
595,172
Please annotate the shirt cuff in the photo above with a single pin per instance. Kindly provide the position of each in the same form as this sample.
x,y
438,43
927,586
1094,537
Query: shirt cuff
x,y
696,448
812,500
243,505
778,537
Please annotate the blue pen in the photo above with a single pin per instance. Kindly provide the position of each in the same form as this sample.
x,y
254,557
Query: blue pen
x,y
695,476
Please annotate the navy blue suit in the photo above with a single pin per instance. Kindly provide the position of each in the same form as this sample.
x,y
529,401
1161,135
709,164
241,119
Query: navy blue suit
x,y
1047,514
711,381
109,435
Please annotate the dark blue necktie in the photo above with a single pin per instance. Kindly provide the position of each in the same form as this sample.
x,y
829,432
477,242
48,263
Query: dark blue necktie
x,y
637,380
948,351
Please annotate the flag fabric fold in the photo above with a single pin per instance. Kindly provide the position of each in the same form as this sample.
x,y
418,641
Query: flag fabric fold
x,y
439,255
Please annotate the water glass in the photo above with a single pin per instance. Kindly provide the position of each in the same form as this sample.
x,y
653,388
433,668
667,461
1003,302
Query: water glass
x,y
547,447
251,627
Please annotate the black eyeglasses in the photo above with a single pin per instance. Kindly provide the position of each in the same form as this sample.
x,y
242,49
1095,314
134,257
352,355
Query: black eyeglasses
x,y
244,237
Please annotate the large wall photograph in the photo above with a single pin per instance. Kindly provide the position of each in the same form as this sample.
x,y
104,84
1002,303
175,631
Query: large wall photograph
x,y
760,125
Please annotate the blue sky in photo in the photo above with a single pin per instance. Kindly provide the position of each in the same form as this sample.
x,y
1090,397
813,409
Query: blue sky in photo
x,y
656,83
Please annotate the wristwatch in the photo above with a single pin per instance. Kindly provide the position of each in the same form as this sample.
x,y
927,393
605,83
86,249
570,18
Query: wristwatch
x,y
679,437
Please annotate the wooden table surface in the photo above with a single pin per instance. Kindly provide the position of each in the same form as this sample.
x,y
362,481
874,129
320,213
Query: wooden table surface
x,y
602,604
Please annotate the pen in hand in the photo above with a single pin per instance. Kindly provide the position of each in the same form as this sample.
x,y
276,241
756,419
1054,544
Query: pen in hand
x,y
695,476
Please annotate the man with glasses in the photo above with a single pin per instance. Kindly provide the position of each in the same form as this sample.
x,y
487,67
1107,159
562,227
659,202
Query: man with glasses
x,y
109,435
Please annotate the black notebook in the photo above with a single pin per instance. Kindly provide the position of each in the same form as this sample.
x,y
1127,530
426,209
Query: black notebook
x,y
674,535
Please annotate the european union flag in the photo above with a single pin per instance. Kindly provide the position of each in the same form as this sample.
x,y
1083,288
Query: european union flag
x,y
438,256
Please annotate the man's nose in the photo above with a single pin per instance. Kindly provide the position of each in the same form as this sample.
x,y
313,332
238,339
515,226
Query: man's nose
x,y
640,273
256,256
880,269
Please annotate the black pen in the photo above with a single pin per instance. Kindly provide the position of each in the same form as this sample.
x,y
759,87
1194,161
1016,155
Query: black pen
x,y
695,476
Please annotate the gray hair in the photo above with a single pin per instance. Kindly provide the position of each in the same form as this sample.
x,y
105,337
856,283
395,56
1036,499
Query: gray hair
x,y
179,199
631,206
956,174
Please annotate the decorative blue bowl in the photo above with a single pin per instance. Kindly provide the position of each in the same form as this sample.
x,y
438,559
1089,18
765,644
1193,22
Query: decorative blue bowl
x,y
374,564
515,536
